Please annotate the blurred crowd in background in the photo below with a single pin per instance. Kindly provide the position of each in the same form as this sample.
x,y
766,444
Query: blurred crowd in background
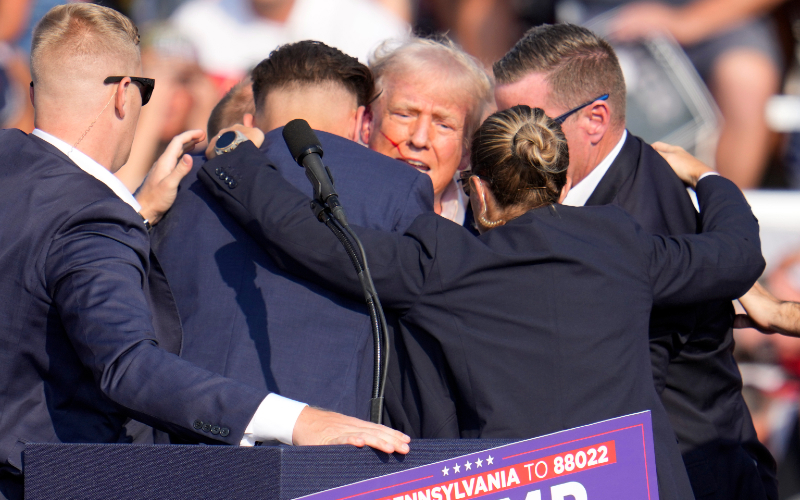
x,y
744,53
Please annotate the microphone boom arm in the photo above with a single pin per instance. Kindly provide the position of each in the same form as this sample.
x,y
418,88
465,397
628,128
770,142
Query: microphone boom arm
x,y
307,152
380,331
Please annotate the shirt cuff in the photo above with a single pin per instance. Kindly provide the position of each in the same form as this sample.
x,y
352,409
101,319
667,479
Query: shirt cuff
x,y
274,419
706,175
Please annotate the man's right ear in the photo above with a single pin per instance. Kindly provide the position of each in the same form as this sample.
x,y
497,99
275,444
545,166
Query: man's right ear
x,y
248,120
366,127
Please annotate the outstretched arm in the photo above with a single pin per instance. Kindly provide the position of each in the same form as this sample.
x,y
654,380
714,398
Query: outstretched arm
x,y
280,219
768,314
721,263
95,270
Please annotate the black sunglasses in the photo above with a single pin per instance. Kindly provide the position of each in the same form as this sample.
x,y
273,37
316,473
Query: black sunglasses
x,y
560,119
146,89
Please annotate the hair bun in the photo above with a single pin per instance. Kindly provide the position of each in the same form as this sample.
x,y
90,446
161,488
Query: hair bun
x,y
524,154
536,144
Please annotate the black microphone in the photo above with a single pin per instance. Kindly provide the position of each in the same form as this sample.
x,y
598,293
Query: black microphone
x,y
306,150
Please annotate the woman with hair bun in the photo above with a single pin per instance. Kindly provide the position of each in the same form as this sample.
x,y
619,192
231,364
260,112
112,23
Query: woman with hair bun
x,y
522,154
540,323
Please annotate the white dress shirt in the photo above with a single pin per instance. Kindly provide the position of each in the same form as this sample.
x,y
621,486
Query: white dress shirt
x,y
454,203
276,415
91,167
579,194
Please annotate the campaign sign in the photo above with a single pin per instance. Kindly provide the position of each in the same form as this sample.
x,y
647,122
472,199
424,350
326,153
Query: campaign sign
x,y
607,460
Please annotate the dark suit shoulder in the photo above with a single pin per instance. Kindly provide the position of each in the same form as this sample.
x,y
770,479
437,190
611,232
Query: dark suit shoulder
x,y
51,198
376,191
32,167
640,181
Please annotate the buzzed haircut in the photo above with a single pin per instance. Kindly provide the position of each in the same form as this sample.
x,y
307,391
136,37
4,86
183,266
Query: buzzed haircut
x,y
310,62
84,30
579,66
232,107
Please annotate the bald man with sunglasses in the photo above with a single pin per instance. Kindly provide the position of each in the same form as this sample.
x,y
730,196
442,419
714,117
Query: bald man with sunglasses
x,y
89,331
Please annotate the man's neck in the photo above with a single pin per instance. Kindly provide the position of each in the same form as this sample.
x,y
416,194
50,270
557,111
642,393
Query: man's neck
x,y
98,151
596,155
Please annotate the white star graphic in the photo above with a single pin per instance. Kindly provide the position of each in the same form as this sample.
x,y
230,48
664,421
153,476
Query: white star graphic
x,y
456,468
479,462
468,465
490,460
445,471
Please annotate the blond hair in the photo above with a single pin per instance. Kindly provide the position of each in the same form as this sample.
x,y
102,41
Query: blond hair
x,y
523,154
83,30
417,55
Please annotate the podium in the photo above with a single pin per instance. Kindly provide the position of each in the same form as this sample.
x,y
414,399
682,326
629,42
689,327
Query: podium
x,y
128,472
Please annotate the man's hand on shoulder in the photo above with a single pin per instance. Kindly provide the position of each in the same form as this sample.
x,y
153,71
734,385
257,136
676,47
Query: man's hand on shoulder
x,y
319,427
160,187
688,168
254,134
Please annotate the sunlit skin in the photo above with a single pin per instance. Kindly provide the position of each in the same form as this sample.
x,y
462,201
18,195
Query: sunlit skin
x,y
328,107
589,133
421,123
72,103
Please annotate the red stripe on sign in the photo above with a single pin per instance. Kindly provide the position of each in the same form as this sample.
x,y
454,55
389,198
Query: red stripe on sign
x,y
575,441
646,475
570,462
505,478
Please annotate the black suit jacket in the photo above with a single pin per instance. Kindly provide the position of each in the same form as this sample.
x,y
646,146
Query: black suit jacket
x,y
522,313
83,316
691,346
248,320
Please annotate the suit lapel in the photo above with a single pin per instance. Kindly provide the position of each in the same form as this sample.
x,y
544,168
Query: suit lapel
x,y
623,166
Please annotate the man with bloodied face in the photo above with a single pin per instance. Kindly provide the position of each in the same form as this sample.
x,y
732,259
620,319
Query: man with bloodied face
x,y
432,96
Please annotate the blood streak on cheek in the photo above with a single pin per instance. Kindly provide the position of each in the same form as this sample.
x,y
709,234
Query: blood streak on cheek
x,y
395,144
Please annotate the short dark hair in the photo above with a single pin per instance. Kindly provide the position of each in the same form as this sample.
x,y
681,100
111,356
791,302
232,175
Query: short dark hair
x,y
231,108
578,65
311,62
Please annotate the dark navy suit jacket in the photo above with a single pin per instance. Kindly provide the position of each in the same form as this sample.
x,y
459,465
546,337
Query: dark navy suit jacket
x,y
82,317
691,346
248,320
523,313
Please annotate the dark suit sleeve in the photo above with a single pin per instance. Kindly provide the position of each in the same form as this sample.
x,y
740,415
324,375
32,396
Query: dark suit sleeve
x,y
420,201
278,216
95,271
721,263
